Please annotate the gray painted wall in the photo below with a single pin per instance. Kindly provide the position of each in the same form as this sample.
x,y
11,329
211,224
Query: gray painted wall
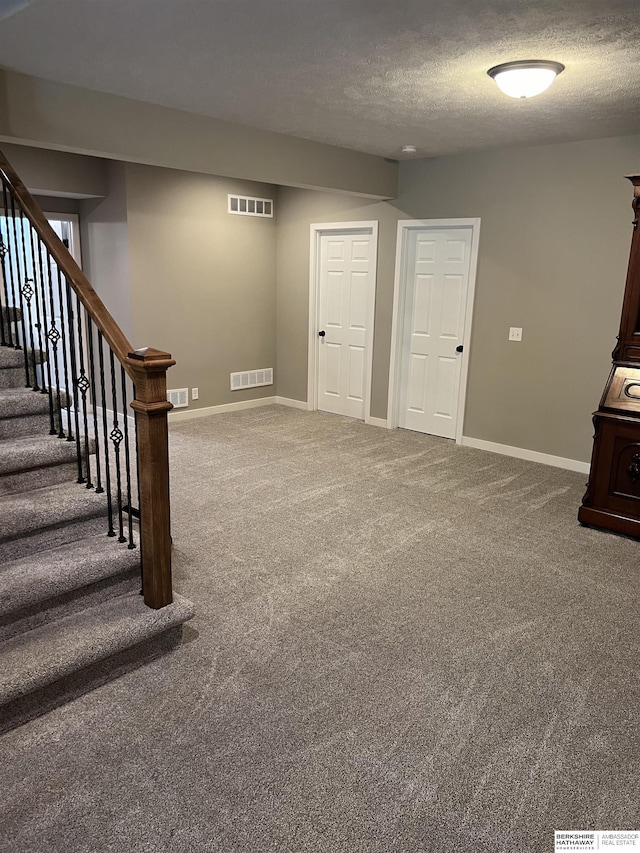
x,y
55,204
52,115
203,281
104,238
57,173
297,209
554,247
226,293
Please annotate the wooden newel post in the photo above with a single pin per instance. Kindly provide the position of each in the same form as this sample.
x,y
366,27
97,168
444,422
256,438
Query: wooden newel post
x,y
149,372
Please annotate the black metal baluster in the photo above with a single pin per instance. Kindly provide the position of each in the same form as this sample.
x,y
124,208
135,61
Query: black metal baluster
x,y
53,336
7,272
45,328
107,471
20,276
13,271
42,252
74,379
92,373
116,437
37,280
123,376
65,358
4,251
82,385
27,290
138,490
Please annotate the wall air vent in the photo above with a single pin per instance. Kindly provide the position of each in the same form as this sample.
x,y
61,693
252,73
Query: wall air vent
x,y
179,397
244,205
252,378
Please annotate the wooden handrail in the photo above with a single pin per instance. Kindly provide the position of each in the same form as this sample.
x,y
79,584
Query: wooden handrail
x,y
98,312
147,368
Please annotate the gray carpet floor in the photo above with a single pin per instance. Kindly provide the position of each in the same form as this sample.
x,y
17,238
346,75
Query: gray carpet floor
x,y
400,645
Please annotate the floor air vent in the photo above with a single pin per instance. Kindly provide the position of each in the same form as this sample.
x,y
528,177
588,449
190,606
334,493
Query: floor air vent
x,y
252,378
244,205
179,397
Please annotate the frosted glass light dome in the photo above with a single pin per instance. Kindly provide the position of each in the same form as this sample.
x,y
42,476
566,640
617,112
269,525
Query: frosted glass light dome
x,y
525,78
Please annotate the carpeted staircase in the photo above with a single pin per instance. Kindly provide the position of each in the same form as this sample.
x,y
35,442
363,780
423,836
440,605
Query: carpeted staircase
x,y
71,613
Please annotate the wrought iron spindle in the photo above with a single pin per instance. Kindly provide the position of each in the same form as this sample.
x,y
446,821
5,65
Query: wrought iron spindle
x,y
45,328
94,406
7,273
20,278
27,290
135,421
74,380
82,385
3,306
116,437
53,336
65,357
37,282
105,431
125,420
13,252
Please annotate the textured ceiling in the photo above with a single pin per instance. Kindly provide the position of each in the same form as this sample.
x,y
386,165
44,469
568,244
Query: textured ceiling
x,y
370,75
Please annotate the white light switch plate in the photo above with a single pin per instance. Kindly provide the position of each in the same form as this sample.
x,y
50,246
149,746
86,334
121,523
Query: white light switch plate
x,y
515,334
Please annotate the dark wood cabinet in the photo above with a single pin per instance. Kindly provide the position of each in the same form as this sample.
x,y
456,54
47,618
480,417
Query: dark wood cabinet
x,y
612,499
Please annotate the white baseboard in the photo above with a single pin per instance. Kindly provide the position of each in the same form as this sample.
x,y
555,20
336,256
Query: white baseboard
x,y
190,414
293,404
529,455
131,419
379,422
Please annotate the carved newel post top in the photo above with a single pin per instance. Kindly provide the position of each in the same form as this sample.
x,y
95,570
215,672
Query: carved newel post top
x,y
635,180
150,359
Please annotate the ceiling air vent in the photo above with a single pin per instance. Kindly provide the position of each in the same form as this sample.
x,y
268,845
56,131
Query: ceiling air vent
x,y
244,205
252,378
179,397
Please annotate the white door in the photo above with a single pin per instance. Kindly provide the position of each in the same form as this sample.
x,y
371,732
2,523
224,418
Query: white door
x,y
346,293
436,288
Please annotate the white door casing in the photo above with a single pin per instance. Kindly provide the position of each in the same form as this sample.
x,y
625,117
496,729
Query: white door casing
x,y
341,304
433,303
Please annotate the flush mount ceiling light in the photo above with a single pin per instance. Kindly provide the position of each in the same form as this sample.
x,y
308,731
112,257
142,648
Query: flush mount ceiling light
x,y
525,78
409,149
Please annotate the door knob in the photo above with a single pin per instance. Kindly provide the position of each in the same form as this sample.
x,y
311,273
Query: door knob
x,y
460,348
322,334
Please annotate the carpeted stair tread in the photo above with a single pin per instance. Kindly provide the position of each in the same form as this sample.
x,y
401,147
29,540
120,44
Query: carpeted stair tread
x,y
26,513
10,313
18,402
12,357
34,451
12,377
43,656
56,571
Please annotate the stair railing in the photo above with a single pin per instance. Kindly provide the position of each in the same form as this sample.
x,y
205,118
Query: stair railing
x,y
76,354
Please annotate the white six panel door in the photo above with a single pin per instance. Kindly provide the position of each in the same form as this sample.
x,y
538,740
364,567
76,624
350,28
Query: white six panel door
x,y
346,292
438,264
